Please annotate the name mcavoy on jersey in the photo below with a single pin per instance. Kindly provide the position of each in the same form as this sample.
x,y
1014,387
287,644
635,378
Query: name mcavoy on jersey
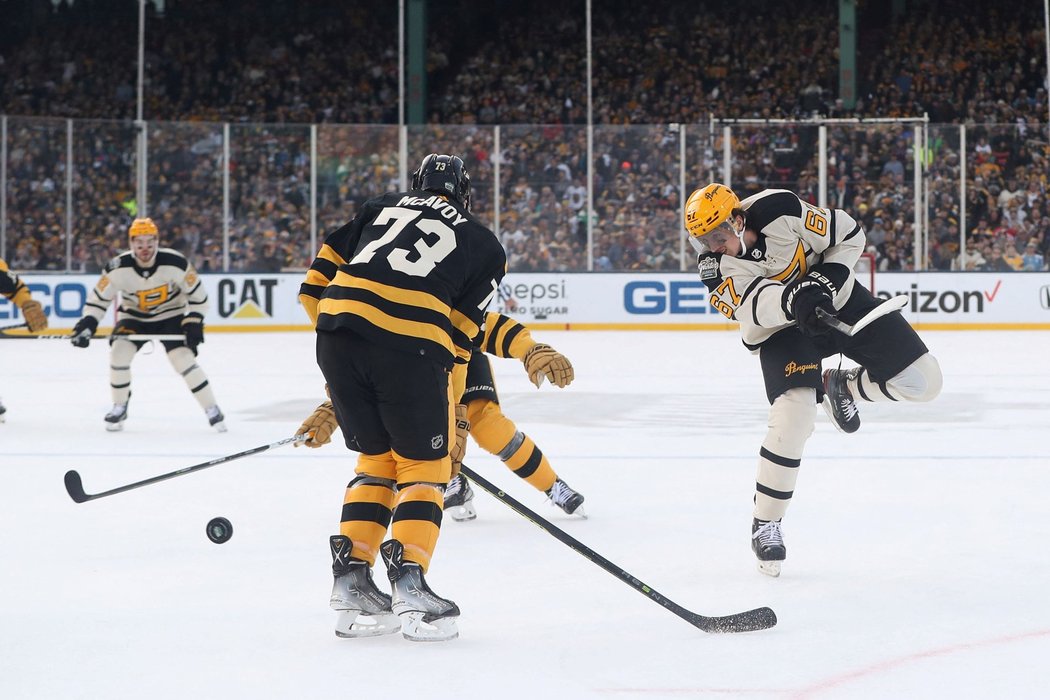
x,y
435,202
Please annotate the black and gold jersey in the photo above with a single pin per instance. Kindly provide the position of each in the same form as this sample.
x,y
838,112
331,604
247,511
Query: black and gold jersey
x,y
505,337
11,286
412,271
168,288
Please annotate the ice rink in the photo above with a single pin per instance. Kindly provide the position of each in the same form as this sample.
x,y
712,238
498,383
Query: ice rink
x,y
917,564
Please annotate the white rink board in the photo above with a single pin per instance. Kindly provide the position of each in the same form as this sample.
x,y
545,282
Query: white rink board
x,y
963,301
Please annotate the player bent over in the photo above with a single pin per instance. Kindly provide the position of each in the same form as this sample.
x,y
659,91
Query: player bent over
x,y
396,296
15,289
158,292
497,434
770,262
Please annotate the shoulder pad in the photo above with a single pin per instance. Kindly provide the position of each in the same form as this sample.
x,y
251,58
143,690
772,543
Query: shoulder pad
x,y
169,256
116,262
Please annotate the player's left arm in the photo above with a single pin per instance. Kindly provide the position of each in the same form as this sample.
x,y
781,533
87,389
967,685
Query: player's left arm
x,y
505,337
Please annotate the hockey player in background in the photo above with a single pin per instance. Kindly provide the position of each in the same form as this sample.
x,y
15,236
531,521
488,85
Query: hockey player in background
x,y
14,289
158,292
769,262
396,296
493,431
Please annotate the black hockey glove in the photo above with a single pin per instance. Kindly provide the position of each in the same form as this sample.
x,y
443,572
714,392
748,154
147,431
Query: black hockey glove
x,y
193,327
83,331
804,300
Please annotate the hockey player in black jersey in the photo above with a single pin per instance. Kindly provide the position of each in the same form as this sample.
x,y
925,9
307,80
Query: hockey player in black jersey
x,y
15,289
497,434
157,291
770,262
397,295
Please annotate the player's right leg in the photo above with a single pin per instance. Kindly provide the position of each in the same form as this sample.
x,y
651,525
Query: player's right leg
x,y
121,353
791,370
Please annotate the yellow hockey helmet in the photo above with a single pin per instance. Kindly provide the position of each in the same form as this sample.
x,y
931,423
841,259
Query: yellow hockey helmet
x,y
708,208
143,227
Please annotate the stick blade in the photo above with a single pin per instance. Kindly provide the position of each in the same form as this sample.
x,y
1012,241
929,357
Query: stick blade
x,y
75,487
750,621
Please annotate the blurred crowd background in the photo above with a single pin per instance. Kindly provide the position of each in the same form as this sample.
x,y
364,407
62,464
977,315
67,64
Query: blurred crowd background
x,y
276,82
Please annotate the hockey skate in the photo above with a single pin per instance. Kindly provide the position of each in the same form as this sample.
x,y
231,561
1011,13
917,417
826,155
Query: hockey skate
x,y
459,499
838,401
563,496
364,610
2,411
116,417
425,616
216,419
767,541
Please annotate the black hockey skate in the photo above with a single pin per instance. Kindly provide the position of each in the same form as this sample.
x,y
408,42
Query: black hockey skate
x,y
459,499
425,616
2,411
364,610
767,541
116,417
569,500
838,401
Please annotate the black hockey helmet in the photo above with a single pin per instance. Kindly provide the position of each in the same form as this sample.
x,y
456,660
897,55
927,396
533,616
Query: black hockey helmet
x,y
445,175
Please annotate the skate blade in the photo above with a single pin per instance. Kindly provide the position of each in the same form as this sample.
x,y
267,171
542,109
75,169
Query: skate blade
x,y
352,624
115,427
220,426
464,513
414,629
770,568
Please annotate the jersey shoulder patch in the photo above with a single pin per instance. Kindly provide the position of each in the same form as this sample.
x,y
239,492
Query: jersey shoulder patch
x,y
707,265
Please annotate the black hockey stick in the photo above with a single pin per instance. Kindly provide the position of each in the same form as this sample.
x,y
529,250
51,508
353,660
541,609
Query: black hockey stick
x,y
749,621
886,307
102,336
75,486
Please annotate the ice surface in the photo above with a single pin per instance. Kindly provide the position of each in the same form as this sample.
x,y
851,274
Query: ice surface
x,y
916,568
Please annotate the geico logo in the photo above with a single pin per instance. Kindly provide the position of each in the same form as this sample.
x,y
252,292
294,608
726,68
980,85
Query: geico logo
x,y
928,301
234,293
655,297
530,293
60,300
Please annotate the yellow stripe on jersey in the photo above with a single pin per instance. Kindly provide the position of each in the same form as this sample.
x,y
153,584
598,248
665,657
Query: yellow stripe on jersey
x,y
408,297
795,269
505,337
468,328
388,323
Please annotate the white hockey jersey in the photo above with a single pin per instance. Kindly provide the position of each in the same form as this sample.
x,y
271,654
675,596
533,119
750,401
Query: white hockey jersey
x,y
793,236
167,289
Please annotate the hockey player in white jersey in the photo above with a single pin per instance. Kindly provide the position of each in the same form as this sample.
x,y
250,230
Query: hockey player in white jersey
x,y
158,292
769,262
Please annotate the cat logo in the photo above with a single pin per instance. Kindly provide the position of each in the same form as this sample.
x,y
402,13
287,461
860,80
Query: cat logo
x,y
246,297
1044,297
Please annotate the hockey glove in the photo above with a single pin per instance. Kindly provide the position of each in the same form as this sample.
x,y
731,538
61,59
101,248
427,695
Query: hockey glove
x,y
544,361
193,327
459,448
34,315
319,426
83,331
802,299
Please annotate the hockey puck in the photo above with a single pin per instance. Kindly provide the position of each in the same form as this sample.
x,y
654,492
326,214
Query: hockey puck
x,y
219,530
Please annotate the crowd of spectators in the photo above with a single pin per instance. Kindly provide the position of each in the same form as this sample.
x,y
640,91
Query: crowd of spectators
x,y
270,70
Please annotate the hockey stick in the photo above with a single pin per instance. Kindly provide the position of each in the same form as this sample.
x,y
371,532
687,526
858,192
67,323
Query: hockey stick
x,y
14,326
886,307
749,621
75,487
67,336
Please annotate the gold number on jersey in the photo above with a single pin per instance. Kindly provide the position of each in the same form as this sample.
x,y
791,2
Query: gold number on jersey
x,y
725,289
816,222
429,254
149,298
